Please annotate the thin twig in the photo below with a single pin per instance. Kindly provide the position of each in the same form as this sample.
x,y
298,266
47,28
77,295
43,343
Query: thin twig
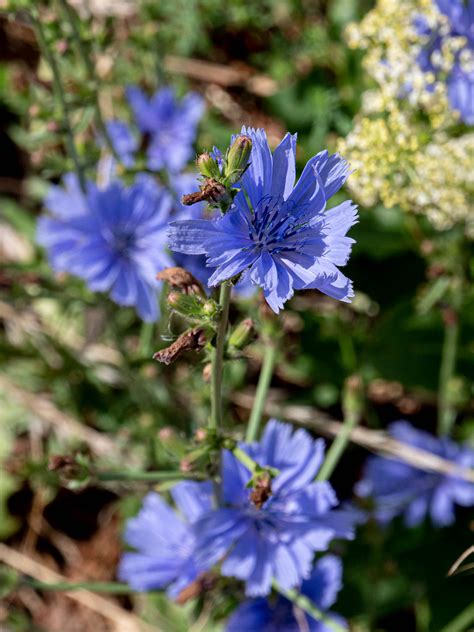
x,y
460,560
123,620
209,72
373,440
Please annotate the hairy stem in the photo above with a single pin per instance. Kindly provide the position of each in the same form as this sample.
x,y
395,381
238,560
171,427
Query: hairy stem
x,y
74,21
113,588
151,477
309,608
58,88
217,358
264,380
446,409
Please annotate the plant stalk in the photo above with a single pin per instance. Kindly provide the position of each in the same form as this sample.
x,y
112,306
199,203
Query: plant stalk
x,y
73,19
217,358
446,409
151,477
309,608
264,380
58,88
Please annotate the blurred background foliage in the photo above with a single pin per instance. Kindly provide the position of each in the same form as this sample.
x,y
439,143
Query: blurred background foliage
x,y
71,360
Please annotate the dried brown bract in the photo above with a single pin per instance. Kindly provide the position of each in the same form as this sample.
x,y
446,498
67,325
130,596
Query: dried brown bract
x,y
261,491
204,583
192,340
210,191
181,279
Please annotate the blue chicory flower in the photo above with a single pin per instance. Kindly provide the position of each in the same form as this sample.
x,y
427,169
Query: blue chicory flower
x,y
278,615
398,488
460,78
286,239
165,540
113,238
277,540
168,126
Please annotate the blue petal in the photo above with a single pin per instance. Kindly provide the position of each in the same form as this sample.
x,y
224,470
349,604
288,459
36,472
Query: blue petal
x,y
256,181
325,582
190,236
284,167
193,499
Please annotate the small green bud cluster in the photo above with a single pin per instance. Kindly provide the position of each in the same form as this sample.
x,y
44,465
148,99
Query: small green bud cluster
x,y
218,180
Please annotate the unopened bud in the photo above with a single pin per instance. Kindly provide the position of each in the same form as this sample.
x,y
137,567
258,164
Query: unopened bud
x,y
200,435
242,334
208,166
209,308
188,305
237,159
72,470
206,373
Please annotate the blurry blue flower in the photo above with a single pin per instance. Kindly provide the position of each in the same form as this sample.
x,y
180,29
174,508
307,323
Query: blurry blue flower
x,y
460,78
165,540
287,240
113,238
169,124
168,128
277,539
123,141
398,488
278,615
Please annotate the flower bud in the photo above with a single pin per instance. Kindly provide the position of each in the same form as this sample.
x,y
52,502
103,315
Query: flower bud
x,y
208,166
242,334
209,308
237,159
188,305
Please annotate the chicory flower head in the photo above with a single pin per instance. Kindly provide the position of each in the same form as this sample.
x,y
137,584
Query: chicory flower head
x,y
276,537
278,615
398,488
113,238
279,233
457,29
168,127
165,540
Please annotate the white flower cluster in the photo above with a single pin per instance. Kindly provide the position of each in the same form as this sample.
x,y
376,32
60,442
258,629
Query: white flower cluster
x,y
406,147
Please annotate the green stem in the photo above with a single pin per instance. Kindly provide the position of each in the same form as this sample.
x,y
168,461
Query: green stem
x,y
446,409
244,458
217,358
58,87
73,19
462,622
309,607
98,587
146,339
261,392
151,477
352,407
337,447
